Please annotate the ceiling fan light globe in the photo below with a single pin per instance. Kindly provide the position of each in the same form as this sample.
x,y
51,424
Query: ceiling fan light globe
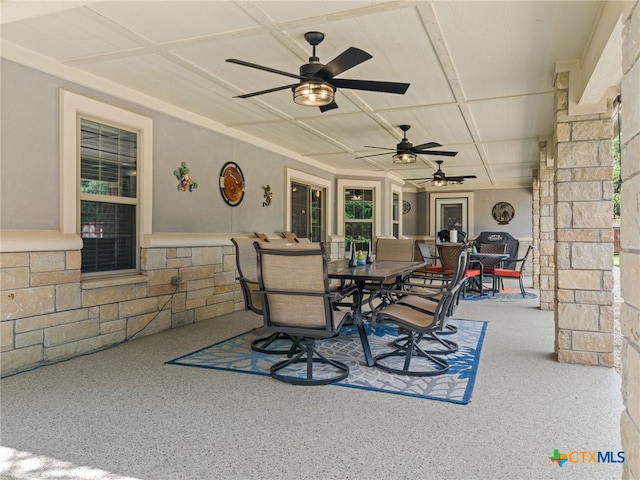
x,y
404,158
439,182
313,94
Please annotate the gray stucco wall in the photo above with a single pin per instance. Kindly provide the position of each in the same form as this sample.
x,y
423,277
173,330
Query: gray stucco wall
x,y
416,223
520,198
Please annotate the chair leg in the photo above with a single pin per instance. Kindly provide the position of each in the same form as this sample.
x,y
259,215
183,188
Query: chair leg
x,y
524,294
449,345
410,351
309,355
262,345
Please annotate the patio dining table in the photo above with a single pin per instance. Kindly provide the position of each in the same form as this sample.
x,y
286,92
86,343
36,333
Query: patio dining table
x,y
376,272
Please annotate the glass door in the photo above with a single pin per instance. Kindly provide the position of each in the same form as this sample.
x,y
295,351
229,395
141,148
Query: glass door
x,y
307,204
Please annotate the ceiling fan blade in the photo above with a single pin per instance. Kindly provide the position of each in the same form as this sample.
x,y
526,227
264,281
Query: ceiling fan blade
x,y
266,69
435,152
253,94
425,145
330,106
382,148
370,85
348,59
374,155
460,177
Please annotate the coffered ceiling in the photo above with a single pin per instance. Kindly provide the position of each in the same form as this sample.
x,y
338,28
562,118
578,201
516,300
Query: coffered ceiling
x,y
481,73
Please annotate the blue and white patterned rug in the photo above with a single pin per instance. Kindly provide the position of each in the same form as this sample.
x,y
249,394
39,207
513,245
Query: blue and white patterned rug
x,y
456,386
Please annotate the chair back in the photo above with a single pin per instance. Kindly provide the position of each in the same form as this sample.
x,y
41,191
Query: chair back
x,y
400,250
524,259
448,252
461,265
294,286
247,265
491,248
512,245
424,253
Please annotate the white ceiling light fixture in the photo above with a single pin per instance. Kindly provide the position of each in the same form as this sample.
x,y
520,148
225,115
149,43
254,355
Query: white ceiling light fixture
x,y
313,94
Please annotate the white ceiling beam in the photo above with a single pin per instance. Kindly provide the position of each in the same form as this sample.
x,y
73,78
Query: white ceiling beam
x,y
438,41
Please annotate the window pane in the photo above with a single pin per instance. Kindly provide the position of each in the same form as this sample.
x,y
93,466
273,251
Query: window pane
x,y
108,160
108,235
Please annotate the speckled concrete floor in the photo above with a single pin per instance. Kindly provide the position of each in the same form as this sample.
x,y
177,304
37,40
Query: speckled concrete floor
x,y
122,413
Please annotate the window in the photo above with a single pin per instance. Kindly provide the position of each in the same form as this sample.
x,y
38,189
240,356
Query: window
x,y
108,197
352,211
358,216
106,183
309,214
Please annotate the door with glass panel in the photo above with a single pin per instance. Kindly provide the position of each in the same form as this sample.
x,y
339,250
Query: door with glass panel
x,y
307,211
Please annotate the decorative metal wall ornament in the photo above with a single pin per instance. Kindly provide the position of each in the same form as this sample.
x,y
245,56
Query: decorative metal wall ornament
x,y
231,184
268,196
503,213
186,182
406,206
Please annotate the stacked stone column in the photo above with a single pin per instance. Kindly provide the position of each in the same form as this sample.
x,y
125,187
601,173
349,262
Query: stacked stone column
x,y
545,254
535,228
630,241
584,233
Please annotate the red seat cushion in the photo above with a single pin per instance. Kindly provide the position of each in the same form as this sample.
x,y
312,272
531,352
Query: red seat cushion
x,y
436,268
472,273
503,272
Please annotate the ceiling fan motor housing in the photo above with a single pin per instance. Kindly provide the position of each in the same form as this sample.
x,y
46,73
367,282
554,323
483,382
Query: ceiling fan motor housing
x,y
404,146
308,70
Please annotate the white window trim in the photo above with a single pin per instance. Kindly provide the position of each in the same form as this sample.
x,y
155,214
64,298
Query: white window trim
x,y
313,181
433,199
397,189
343,184
72,107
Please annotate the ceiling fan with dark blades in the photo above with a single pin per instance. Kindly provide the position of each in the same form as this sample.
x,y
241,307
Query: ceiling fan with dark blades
x,y
317,84
439,179
406,151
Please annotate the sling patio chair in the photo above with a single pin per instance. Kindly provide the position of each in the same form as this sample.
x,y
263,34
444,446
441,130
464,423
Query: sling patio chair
x,y
390,249
409,358
488,265
500,273
247,266
297,301
428,302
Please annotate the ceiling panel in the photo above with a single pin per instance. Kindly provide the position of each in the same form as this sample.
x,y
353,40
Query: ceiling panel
x,y
396,57
289,135
523,117
67,35
521,41
169,21
156,76
508,152
443,124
